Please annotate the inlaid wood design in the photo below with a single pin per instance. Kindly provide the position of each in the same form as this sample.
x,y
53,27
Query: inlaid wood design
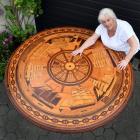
x,y
66,93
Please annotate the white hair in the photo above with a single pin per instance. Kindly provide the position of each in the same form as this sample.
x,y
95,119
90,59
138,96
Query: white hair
x,y
106,12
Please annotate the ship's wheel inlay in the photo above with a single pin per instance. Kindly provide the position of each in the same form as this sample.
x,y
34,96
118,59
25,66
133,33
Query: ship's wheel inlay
x,y
72,70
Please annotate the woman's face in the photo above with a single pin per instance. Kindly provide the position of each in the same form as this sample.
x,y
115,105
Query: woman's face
x,y
109,23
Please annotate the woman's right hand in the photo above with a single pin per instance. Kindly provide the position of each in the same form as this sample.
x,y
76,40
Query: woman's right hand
x,y
90,41
77,51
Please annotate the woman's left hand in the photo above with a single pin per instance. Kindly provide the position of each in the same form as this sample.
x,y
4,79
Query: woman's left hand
x,y
122,64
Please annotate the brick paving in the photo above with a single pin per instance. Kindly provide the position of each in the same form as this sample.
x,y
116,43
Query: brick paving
x,y
125,127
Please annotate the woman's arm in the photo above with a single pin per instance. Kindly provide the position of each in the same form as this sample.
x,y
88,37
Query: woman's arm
x,y
133,48
90,41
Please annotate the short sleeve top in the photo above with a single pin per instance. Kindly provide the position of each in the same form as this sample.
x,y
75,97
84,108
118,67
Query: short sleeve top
x,y
118,41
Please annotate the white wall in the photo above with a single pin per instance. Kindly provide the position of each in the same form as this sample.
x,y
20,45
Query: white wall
x,y
2,19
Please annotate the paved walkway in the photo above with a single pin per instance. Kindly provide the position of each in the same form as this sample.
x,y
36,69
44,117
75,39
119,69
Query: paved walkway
x,y
125,127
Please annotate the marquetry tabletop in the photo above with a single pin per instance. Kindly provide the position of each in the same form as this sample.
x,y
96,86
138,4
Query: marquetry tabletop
x,y
66,93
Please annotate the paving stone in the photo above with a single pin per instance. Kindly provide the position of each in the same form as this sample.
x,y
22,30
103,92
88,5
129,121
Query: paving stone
x,y
130,133
43,137
2,86
138,129
119,127
29,126
35,129
137,97
136,115
21,120
129,114
98,131
32,136
132,123
3,96
13,115
108,125
2,133
3,109
20,133
24,124
10,136
42,131
23,131
65,137
11,126
121,137
53,136
10,105
88,136
121,116
132,101
100,138
3,120
109,134
21,139
137,135
77,136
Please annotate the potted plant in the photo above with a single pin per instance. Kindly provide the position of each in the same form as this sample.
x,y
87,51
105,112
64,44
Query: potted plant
x,y
6,48
19,15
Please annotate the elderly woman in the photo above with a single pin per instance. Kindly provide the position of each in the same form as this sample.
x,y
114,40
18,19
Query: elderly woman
x,y
115,34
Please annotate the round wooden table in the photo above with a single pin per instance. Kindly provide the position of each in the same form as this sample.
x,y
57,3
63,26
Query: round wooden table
x,y
66,93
